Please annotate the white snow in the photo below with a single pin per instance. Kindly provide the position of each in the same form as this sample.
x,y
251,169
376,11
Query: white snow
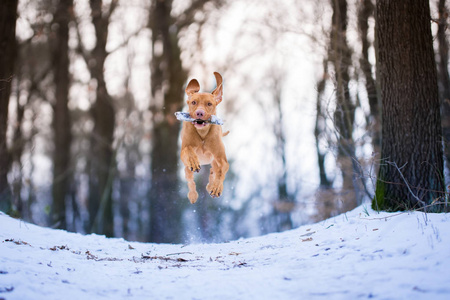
x,y
360,254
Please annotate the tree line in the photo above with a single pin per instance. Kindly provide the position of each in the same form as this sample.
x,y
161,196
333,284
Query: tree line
x,y
115,166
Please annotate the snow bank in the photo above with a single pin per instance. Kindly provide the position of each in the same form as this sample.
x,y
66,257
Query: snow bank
x,y
360,254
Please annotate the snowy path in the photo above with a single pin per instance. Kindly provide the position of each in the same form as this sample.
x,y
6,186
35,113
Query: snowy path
x,y
351,256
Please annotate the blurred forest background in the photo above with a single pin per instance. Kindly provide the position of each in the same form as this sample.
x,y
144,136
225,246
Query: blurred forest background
x,y
93,145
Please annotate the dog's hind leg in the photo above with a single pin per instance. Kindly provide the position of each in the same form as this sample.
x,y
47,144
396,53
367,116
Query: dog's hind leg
x,y
211,179
192,195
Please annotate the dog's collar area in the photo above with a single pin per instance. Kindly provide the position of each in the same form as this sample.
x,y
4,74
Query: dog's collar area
x,y
185,116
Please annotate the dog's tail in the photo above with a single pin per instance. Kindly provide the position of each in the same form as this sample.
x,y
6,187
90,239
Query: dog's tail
x,y
225,133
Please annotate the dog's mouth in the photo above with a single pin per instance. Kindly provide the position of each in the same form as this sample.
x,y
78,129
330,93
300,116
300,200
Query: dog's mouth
x,y
199,123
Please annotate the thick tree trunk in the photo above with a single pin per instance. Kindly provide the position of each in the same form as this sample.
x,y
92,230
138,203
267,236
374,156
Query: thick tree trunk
x,y
8,15
444,77
411,173
102,160
61,120
167,82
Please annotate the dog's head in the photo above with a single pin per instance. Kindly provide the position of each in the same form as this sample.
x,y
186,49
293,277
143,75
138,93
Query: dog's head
x,y
203,105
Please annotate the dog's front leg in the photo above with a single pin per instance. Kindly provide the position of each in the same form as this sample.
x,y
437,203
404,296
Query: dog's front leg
x,y
192,164
190,159
219,169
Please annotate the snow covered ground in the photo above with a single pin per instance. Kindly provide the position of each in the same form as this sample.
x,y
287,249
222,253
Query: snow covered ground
x,y
360,254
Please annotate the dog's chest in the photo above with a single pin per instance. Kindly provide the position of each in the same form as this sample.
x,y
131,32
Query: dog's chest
x,y
205,157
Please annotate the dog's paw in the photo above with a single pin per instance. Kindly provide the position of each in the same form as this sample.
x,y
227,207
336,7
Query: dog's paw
x,y
193,196
194,164
215,189
195,169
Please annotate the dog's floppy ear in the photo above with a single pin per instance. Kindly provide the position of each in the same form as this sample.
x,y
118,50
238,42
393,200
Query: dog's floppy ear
x,y
193,87
218,91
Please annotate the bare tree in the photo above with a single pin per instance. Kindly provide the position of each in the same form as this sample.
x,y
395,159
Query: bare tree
x,y
168,78
33,84
365,11
101,161
411,175
443,76
61,119
325,196
102,164
286,200
344,115
8,15
17,149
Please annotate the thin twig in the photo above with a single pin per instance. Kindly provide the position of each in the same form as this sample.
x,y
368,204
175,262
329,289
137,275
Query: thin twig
x,y
178,253
406,182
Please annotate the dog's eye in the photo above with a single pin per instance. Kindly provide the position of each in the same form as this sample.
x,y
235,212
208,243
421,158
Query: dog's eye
x,y
209,104
194,102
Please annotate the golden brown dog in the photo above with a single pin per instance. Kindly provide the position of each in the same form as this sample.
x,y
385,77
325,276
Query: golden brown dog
x,y
201,142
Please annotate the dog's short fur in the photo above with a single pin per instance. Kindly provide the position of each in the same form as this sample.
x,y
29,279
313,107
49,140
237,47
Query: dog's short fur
x,y
202,142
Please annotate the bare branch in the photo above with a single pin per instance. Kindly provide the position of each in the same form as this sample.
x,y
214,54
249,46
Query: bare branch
x,y
112,8
406,182
188,16
80,48
126,41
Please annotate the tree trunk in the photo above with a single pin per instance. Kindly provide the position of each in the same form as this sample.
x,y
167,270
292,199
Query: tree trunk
x,y
102,163
320,128
8,15
344,116
17,148
285,205
167,81
411,174
325,204
61,120
444,78
366,10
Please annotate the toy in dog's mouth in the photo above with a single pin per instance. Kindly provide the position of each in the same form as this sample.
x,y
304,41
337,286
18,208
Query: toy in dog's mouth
x,y
199,123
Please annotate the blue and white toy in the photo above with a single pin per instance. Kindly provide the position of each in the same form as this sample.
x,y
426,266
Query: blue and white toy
x,y
185,116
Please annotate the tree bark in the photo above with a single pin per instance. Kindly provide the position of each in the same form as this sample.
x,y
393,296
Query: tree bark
x,y
8,15
411,174
102,161
444,77
167,81
61,119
